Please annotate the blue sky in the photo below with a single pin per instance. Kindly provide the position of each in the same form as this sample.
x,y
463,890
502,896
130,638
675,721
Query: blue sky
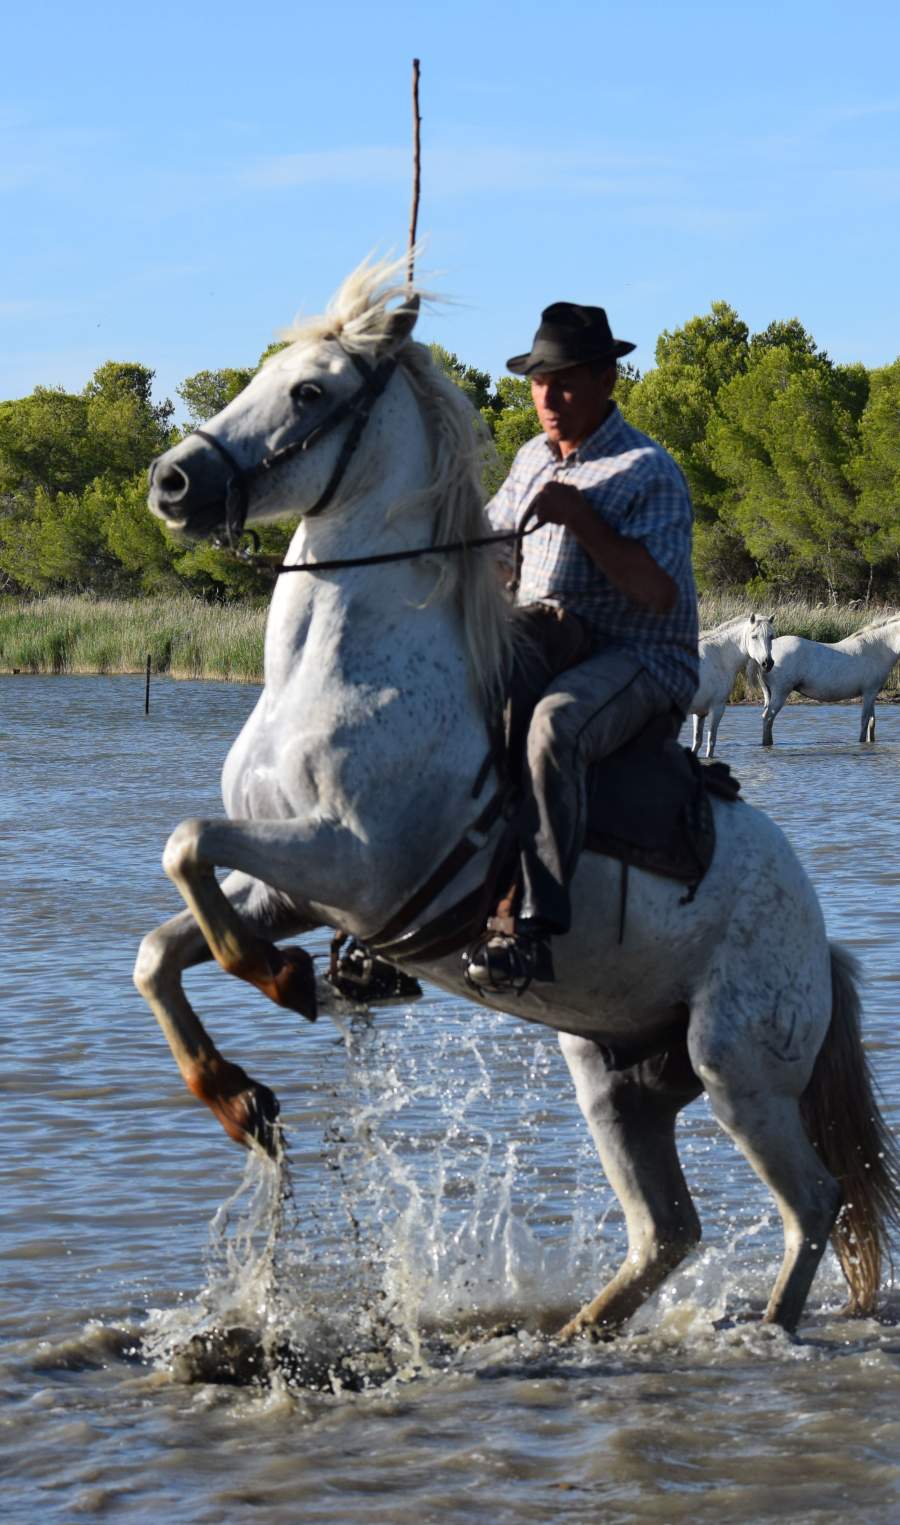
x,y
178,181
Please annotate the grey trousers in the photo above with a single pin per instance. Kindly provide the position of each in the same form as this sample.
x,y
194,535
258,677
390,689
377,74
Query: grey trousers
x,y
584,713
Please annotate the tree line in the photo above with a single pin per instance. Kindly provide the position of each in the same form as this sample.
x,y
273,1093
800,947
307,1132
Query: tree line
x,y
793,462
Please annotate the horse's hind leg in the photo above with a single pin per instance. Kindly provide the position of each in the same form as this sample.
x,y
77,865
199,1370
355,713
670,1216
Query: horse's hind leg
x,y
631,1114
699,722
867,718
766,1125
246,1109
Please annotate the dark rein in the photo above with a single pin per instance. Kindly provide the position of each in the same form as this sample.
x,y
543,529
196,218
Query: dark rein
x,y
448,548
357,406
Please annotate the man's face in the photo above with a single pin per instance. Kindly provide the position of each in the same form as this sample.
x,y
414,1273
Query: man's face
x,y
572,403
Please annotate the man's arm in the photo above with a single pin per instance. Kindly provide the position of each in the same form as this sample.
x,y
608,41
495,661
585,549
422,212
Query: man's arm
x,y
627,563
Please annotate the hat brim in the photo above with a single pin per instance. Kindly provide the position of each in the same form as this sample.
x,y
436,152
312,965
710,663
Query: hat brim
x,y
537,364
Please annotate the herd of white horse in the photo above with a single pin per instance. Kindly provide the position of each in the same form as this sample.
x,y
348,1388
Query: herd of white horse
x,y
363,795
855,668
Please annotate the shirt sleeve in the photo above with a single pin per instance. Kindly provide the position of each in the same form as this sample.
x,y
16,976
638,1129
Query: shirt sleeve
x,y
662,519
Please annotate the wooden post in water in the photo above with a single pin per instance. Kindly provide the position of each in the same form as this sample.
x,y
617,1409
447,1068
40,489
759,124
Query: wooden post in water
x,y
147,688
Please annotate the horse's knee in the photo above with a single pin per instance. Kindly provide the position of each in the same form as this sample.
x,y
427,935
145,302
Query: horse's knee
x,y
148,964
182,851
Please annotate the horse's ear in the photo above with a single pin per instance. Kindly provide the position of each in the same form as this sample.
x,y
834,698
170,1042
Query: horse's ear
x,y
401,322
770,618
753,619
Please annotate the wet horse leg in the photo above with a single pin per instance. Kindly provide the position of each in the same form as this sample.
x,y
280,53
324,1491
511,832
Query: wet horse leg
x,y
246,1109
774,703
716,714
754,1054
867,717
631,1114
276,853
769,1132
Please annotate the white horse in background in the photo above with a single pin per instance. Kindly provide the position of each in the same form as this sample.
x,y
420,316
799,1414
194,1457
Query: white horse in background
x,y
355,798
724,650
854,668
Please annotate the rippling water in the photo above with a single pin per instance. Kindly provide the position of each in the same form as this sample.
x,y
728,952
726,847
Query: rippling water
x,y
446,1206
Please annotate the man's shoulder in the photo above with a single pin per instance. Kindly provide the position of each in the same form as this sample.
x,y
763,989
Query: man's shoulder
x,y
647,458
533,453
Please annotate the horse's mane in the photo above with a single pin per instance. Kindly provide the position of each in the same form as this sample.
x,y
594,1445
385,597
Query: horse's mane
x,y
733,624
872,631
361,314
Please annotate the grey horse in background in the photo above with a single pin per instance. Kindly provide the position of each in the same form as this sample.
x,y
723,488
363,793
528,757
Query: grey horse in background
x,y
724,651
855,668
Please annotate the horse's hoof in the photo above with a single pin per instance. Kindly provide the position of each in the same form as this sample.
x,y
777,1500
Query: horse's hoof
x,y
263,1128
247,1109
583,1328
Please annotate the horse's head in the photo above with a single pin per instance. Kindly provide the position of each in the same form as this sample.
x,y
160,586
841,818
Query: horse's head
x,y
284,444
760,634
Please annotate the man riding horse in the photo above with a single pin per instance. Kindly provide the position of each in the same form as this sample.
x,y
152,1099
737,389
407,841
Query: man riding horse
x,y
611,559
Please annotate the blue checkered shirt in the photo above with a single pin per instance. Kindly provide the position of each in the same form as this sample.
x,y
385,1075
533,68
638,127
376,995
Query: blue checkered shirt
x,y
636,487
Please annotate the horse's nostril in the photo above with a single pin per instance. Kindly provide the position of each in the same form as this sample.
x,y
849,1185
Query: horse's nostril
x,y
768,664
170,481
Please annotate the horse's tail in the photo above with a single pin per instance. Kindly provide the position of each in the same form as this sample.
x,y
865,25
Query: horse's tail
x,y
843,1121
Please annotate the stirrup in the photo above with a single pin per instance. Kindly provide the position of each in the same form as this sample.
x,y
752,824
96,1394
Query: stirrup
x,y
504,961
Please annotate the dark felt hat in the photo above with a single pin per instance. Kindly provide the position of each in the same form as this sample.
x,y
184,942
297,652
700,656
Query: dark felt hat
x,y
569,334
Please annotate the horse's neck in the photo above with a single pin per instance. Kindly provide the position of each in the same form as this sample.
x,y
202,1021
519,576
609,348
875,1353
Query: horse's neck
x,y
346,647
729,649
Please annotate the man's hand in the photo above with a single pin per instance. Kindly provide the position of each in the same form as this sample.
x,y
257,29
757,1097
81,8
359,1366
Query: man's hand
x,y
557,503
627,563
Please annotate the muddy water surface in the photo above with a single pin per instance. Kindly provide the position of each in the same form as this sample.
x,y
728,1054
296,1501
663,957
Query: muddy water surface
x,y
443,1186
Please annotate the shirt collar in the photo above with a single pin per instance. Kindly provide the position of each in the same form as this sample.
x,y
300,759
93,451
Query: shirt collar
x,y
596,444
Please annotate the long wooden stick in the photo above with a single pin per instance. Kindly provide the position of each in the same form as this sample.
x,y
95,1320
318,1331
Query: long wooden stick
x,y
414,214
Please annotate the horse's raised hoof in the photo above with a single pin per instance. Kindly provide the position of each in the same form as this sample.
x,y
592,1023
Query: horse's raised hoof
x,y
247,1109
263,1128
286,975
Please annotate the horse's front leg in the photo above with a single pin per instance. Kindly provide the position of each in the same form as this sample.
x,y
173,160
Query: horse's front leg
x,y
715,717
246,1109
697,740
867,717
276,852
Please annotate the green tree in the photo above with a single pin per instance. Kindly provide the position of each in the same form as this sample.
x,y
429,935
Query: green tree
x,y
208,392
60,543
782,437
875,472
44,443
476,384
125,429
674,402
140,542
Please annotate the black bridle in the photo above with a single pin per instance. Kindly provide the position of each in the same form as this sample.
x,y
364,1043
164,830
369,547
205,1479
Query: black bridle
x,y
358,406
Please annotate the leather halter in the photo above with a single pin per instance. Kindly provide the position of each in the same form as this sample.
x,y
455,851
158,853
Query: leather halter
x,y
357,406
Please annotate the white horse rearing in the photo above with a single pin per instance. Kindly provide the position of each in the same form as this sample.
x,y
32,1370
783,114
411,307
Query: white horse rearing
x,y
854,668
724,650
364,764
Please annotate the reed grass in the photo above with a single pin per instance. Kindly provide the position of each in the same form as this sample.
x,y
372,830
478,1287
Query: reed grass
x,y
183,637
188,638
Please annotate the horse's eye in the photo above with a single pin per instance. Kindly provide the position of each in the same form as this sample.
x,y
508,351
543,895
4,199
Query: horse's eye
x,y
305,391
